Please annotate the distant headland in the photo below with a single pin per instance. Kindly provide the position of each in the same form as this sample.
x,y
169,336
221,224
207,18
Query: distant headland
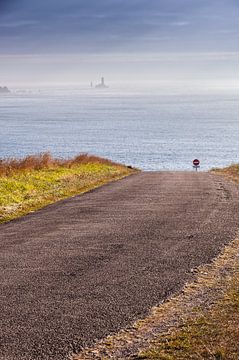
x,y
4,90
102,84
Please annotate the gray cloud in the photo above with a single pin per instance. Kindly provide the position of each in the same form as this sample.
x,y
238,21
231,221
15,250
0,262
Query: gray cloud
x,y
114,25
74,40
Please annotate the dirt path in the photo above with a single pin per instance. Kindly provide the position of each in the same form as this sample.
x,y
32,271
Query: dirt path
x,y
82,268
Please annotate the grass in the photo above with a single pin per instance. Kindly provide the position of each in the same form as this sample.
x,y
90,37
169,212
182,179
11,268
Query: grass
x,y
35,181
212,334
200,323
231,172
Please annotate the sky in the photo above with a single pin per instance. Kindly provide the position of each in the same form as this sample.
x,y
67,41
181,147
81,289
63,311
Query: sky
x,y
124,40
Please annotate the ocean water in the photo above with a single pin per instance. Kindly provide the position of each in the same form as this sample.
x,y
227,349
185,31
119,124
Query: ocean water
x,y
150,128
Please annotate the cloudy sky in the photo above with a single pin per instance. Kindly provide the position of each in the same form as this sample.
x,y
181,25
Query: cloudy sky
x,y
76,40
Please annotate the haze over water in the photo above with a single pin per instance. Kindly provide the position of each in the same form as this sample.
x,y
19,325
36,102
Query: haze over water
x,y
147,127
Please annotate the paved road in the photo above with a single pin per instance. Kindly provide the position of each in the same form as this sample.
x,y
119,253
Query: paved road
x,y
84,267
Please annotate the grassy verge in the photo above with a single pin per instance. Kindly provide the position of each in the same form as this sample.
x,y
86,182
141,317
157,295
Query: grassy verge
x,y
201,323
231,172
31,183
211,331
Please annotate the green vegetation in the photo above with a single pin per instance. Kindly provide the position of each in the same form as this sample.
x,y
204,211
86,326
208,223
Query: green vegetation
x,y
31,183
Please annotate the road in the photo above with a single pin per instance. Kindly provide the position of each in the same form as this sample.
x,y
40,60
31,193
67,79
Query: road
x,y
87,266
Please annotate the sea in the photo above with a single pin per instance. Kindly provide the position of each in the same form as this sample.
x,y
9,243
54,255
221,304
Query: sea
x,y
148,127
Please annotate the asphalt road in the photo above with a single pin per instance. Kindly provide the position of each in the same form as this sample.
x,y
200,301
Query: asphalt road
x,y
88,266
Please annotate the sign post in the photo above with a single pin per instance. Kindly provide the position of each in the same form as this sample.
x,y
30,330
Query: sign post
x,y
196,164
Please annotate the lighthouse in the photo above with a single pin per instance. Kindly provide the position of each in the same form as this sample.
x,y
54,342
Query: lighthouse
x,y
102,84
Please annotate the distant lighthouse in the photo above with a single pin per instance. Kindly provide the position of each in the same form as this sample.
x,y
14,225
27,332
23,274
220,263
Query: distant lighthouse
x,y
102,84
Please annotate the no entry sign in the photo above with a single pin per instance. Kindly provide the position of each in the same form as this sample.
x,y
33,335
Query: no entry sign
x,y
196,162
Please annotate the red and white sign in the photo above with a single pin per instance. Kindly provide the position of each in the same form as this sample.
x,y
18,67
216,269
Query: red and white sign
x,y
196,162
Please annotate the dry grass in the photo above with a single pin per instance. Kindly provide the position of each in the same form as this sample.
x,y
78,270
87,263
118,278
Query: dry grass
x,y
38,180
12,166
230,172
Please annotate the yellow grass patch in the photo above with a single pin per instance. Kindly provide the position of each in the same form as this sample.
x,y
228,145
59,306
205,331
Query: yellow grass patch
x,y
31,183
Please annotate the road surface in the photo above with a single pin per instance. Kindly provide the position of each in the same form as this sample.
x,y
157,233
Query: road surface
x,y
84,267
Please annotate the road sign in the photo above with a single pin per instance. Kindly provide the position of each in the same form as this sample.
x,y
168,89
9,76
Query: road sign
x,y
196,164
